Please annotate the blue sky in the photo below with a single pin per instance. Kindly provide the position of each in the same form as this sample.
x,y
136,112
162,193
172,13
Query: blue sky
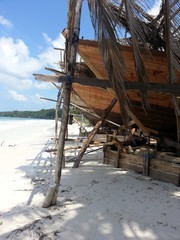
x,y
29,30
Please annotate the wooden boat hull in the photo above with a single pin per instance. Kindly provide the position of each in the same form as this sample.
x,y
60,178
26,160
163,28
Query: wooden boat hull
x,y
160,116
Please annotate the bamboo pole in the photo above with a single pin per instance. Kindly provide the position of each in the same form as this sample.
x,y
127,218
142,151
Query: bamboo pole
x,y
93,133
74,15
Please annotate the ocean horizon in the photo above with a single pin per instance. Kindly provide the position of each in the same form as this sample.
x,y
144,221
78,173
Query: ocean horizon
x,y
12,122
21,118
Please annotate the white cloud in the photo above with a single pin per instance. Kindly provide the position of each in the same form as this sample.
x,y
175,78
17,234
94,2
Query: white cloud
x,y
51,56
17,65
155,9
5,22
17,97
15,58
38,95
42,85
47,38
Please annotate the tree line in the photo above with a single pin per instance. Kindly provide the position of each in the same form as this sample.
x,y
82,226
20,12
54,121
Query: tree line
x,y
41,114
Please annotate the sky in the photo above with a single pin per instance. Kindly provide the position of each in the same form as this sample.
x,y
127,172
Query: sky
x,y
29,31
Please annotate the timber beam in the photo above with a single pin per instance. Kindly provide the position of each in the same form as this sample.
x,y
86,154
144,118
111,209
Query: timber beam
x,y
166,88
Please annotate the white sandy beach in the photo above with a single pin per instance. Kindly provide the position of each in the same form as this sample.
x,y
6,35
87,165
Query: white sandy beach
x,y
95,201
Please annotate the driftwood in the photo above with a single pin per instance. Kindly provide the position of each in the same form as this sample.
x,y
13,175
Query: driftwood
x,y
93,132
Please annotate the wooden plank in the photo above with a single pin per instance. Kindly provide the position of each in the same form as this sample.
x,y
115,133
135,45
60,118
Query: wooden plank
x,y
111,154
164,176
156,66
165,166
133,167
165,88
130,158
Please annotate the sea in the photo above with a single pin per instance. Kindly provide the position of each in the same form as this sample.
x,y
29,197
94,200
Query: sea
x,y
12,122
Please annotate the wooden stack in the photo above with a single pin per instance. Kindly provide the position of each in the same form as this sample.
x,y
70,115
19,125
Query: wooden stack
x,y
160,167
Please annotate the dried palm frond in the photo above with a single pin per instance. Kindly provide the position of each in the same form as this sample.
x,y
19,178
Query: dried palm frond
x,y
104,22
133,13
152,28
107,17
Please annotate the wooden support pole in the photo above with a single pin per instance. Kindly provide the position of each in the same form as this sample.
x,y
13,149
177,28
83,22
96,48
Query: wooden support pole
x,y
146,166
146,163
52,194
58,105
93,132
73,29
117,163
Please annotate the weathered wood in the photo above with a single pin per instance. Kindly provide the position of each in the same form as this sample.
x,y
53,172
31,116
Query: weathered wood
x,y
165,88
146,166
52,193
163,176
177,112
156,66
94,115
58,105
158,169
51,197
93,82
157,72
117,163
58,87
48,99
56,71
178,184
93,132
130,166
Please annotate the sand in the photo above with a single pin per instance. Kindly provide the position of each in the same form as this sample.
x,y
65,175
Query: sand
x,y
95,201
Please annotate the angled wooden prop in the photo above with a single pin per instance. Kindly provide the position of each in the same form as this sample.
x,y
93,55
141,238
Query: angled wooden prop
x,y
93,132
